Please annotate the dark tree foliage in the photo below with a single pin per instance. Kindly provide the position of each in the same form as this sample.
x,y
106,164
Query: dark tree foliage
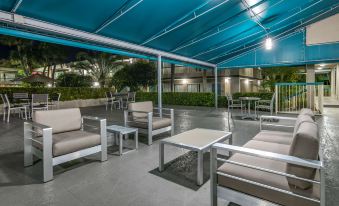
x,y
74,80
136,75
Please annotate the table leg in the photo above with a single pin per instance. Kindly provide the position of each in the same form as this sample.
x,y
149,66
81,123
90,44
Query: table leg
x,y
136,140
161,157
200,168
249,108
120,143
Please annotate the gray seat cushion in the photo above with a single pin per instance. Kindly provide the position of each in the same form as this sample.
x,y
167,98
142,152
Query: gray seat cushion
x,y
61,120
140,106
275,137
264,177
305,145
157,123
68,142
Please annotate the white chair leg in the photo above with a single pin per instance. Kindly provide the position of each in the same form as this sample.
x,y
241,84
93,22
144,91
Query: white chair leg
x,y
8,113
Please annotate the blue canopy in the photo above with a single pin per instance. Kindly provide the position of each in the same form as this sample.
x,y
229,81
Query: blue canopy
x,y
212,31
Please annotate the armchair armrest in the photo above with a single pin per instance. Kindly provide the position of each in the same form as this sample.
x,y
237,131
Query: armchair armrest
x,y
37,125
270,155
93,118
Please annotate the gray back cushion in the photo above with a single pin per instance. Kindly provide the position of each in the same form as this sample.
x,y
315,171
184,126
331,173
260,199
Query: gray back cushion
x,y
300,119
307,111
305,145
140,106
61,120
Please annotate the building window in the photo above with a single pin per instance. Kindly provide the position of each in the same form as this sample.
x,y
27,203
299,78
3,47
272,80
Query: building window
x,y
180,88
193,88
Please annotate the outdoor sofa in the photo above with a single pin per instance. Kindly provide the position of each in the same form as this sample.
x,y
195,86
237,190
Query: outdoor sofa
x,y
58,136
274,168
149,120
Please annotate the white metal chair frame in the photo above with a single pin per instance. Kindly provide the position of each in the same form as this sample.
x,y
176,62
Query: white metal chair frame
x,y
55,99
8,107
39,102
32,128
128,99
111,100
238,197
265,105
234,103
149,131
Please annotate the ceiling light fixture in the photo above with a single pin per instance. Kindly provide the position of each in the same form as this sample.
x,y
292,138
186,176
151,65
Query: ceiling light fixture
x,y
268,43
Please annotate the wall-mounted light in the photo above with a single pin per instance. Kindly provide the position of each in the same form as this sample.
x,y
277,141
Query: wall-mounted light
x,y
322,65
184,81
96,84
227,79
268,43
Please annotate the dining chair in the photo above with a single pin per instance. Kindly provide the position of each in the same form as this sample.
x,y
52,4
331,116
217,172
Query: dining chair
x,y
39,102
112,100
8,107
54,98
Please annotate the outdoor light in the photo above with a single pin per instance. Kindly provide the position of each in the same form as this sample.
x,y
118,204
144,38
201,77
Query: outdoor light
x,y
184,81
96,84
322,65
268,43
49,85
247,81
227,80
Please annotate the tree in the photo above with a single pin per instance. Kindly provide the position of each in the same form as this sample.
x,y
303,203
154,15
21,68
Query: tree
x,y
74,80
99,65
136,75
274,75
24,52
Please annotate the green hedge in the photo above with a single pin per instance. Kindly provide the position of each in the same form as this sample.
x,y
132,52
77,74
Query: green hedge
x,y
67,93
177,98
195,99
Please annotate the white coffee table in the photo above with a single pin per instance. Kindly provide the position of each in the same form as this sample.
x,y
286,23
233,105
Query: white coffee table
x,y
121,131
199,140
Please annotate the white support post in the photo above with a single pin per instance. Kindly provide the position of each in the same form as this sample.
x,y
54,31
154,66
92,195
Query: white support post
x,y
159,85
216,86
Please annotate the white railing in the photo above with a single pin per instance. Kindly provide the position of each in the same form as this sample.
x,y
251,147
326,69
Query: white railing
x,y
292,97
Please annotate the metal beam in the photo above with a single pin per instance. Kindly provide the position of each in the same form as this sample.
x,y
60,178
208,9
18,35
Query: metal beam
x,y
16,5
216,87
49,28
218,28
126,7
253,15
159,85
178,23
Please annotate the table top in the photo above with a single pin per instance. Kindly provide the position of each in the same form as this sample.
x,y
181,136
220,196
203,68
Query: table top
x,y
250,98
121,129
198,138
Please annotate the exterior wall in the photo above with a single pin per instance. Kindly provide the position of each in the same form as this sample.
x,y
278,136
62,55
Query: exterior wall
x,y
198,80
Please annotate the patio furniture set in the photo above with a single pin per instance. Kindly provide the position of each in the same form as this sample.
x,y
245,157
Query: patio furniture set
x,y
25,104
275,167
244,104
119,100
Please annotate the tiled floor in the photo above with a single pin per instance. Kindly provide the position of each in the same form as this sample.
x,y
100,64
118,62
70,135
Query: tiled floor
x,y
126,180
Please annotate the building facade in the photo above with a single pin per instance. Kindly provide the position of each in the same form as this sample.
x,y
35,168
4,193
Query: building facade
x,y
185,79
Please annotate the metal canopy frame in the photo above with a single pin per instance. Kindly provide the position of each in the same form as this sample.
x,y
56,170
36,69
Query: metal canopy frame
x,y
49,28
126,7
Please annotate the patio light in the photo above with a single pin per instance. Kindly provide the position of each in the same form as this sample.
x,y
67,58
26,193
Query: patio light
x,y
268,43
184,81
96,84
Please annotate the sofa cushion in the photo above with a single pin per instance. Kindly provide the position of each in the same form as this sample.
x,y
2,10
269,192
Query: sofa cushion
x,y
275,137
157,123
264,178
68,142
305,145
61,120
300,119
140,106
308,112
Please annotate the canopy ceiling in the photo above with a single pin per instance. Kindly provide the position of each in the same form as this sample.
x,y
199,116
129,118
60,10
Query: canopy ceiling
x,y
208,30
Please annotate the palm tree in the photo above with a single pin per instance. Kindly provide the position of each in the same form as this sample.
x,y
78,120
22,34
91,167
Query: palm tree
x,y
98,65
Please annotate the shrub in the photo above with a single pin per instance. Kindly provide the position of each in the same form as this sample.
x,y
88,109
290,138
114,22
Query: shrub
x,y
74,80
67,93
